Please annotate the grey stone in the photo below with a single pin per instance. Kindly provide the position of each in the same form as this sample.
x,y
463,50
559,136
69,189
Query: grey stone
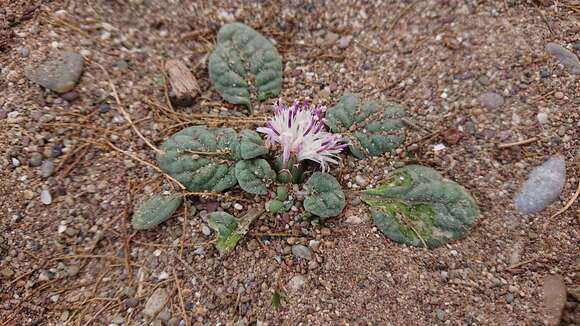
x,y
60,73
156,302
301,251
542,117
543,186
45,197
296,283
46,169
205,230
440,314
35,159
491,100
509,298
344,41
568,59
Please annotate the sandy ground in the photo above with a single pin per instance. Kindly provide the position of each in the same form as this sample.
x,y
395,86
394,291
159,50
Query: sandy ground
x,y
77,261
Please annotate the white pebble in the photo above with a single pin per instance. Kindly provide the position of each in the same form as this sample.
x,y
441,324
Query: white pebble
x,y
238,206
438,147
45,197
163,276
542,118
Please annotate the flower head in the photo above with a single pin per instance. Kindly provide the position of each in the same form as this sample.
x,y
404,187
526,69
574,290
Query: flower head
x,y
300,131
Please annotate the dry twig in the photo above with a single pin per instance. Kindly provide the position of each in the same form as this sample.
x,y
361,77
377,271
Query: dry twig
x,y
570,202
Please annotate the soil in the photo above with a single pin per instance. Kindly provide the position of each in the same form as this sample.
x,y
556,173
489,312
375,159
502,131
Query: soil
x,y
77,261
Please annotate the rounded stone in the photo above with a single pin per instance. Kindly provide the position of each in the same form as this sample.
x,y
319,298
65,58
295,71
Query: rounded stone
x,y
491,100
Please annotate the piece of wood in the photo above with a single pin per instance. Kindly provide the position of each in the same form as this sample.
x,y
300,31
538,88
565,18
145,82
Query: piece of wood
x,y
184,87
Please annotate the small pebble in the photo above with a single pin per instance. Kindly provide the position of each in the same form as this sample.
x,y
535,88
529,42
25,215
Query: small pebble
x,y
70,96
46,169
360,180
45,197
559,95
205,230
353,220
296,283
104,107
56,151
301,251
35,159
440,314
238,206
344,41
491,100
542,117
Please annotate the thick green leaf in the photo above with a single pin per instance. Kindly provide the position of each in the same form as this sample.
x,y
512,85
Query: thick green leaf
x,y
373,128
415,205
154,211
229,229
252,175
245,67
201,158
325,198
251,145
274,206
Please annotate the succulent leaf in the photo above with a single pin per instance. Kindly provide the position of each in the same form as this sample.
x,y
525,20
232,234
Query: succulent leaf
x,y
229,229
415,205
251,145
245,67
201,158
324,196
252,175
155,210
372,128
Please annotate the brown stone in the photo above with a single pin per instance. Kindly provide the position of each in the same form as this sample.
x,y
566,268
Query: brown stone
x,y
554,298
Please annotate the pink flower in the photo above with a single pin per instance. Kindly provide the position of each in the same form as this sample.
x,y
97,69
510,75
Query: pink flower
x,y
300,131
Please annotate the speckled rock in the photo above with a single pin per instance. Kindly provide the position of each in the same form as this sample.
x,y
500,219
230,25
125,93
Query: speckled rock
x,y
568,59
156,302
59,73
491,100
543,186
